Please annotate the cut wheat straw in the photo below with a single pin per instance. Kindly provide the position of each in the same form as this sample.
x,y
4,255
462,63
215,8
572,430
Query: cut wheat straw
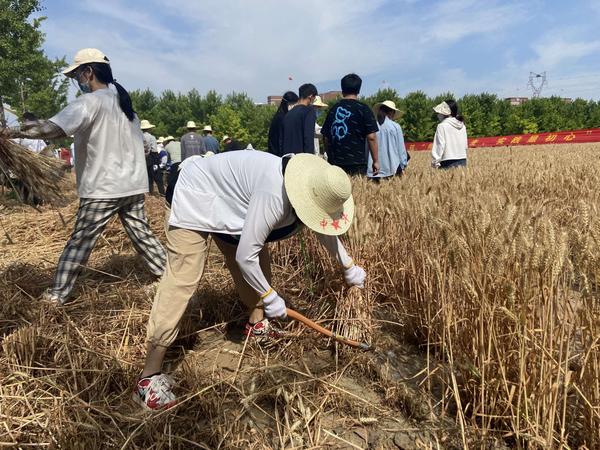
x,y
42,176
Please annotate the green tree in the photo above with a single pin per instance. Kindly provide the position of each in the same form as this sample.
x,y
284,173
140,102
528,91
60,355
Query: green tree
x,y
227,121
29,80
418,121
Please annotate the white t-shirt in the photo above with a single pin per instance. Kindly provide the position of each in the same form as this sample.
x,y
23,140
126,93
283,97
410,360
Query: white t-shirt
x,y
109,149
239,193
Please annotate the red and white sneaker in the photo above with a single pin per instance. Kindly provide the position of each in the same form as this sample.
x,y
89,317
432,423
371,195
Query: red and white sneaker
x,y
154,393
263,329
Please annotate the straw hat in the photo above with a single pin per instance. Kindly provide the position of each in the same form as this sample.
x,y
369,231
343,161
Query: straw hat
x,y
86,56
169,138
321,194
318,103
191,124
390,104
207,128
443,109
146,125
225,138
208,153
160,140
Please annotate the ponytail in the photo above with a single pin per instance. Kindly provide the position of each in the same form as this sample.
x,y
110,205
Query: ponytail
x,y
103,73
454,110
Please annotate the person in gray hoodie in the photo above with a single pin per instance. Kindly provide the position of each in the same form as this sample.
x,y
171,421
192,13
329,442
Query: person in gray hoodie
x,y
450,144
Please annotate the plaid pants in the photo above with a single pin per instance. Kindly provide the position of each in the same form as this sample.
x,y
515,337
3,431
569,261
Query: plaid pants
x,y
92,217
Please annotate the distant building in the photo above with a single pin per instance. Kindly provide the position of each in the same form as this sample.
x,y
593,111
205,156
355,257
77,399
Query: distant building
x,y
516,101
567,100
330,95
274,99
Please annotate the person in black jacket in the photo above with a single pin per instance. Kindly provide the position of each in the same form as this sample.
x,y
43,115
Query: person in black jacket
x,y
299,123
275,145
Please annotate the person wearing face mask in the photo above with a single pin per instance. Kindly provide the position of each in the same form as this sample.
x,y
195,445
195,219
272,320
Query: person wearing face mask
x,y
450,144
109,165
299,123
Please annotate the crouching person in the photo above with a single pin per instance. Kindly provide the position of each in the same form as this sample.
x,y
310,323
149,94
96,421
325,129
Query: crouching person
x,y
244,200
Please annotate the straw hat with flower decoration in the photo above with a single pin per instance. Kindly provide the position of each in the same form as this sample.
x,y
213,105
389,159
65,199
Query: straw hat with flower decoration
x,y
321,194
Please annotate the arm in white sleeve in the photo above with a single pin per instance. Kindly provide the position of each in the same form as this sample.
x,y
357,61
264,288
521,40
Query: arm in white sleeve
x,y
264,213
437,149
336,249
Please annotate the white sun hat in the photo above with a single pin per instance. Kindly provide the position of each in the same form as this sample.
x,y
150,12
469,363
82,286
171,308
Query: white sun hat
x,y
321,194
224,138
191,124
207,128
160,140
86,56
169,138
318,103
443,109
390,104
146,125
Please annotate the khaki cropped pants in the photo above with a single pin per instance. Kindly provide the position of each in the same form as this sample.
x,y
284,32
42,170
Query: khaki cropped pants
x,y
187,251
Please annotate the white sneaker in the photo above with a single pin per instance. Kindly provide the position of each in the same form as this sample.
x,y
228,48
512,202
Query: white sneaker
x,y
49,296
154,393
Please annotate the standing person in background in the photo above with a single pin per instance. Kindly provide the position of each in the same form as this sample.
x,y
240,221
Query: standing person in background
x,y
109,165
299,123
173,148
275,144
450,142
230,144
191,142
210,142
153,162
319,106
150,146
390,142
349,125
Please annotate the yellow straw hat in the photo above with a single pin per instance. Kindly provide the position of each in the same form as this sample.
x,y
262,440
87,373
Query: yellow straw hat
x,y
224,138
160,140
207,128
191,124
169,138
390,104
318,103
146,125
86,56
320,193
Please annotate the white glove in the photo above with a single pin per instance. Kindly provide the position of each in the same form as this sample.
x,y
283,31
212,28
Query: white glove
x,y
274,306
355,276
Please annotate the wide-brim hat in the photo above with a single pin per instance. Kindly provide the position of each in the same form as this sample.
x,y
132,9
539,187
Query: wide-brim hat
x,y
86,56
169,138
318,103
207,128
146,125
321,194
191,124
225,138
160,140
443,109
388,103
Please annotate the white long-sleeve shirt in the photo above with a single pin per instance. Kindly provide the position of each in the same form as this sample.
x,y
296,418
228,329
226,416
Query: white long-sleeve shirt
x,y
450,141
239,193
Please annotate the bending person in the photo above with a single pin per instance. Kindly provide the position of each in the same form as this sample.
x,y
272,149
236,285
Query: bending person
x,y
244,200
109,165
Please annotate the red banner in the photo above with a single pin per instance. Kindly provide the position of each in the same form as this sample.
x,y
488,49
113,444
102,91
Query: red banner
x,y
559,137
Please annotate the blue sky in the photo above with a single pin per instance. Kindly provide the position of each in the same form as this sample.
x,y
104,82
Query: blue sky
x,y
462,46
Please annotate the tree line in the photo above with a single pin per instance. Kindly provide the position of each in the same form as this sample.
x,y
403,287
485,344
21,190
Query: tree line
x,y
30,81
485,114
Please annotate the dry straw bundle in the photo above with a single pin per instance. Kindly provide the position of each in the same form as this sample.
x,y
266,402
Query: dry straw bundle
x,y
42,176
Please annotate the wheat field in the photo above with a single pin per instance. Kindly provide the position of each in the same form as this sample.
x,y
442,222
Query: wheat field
x,y
482,302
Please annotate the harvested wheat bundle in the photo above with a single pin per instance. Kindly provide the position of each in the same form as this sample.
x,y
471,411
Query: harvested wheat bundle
x,y
41,175
354,315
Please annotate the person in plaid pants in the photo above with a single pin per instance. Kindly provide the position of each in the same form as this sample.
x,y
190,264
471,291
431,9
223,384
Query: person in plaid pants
x,y
109,164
